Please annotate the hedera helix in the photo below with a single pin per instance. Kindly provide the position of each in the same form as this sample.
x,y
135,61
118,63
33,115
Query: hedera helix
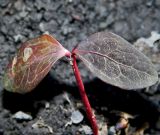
x,y
107,55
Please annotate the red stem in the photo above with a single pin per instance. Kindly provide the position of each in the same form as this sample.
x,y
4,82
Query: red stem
x,y
84,97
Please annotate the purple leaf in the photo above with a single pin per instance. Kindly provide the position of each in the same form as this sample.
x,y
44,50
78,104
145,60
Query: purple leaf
x,y
116,61
32,62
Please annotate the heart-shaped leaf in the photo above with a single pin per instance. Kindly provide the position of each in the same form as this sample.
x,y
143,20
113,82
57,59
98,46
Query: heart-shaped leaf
x,y
32,62
116,61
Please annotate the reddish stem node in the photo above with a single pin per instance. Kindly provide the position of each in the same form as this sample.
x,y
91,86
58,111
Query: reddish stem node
x,y
67,53
84,97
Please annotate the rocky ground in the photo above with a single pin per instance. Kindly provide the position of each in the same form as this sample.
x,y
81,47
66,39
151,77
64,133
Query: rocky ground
x,y
53,102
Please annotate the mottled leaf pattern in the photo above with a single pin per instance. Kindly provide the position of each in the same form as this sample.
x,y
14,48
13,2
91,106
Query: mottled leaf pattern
x,y
116,61
32,62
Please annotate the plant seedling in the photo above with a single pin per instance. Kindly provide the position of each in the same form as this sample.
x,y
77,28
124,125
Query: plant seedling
x,y
107,55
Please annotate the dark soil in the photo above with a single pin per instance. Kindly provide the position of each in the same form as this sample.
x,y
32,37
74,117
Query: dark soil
x,y
71,21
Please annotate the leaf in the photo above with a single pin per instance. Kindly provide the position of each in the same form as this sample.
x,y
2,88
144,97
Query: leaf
x,y
116,61
32,63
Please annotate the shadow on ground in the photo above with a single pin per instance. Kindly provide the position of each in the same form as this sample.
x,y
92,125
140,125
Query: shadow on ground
x,y
100,95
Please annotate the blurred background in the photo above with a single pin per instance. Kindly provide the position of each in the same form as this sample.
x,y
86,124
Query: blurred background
x,y
71,21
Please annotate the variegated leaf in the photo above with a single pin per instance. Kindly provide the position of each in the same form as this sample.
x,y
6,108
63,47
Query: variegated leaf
x,y
116,61
32,62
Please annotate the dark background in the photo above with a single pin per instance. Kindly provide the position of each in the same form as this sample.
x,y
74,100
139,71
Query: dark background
x,y
71,21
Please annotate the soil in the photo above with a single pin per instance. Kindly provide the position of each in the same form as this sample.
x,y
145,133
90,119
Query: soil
x,y
71,21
